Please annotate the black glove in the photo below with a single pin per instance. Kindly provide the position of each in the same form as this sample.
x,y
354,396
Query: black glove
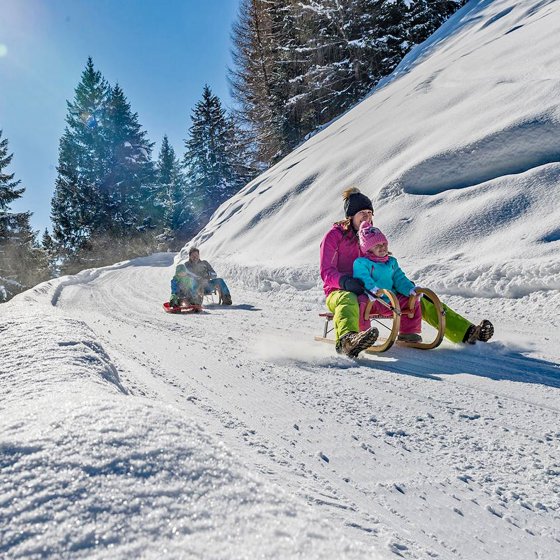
x,y
351,284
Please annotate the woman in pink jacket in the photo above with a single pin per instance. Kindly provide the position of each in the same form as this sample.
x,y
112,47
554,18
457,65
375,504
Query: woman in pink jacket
x,y
339,249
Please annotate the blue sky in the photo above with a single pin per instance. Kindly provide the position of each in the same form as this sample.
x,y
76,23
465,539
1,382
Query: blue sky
x,y
160,52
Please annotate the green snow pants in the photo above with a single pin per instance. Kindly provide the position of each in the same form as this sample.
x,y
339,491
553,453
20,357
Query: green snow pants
x,y
344,306
455,325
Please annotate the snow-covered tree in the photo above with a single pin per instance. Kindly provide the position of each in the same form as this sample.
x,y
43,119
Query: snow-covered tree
x,y
174,212
300,63
425,16
210,160
103,202
22,262
255,75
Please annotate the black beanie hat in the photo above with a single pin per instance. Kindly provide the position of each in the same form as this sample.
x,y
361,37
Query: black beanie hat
x,y
356,201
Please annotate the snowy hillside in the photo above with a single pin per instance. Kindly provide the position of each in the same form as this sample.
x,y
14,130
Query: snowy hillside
x,y
126,432
459,150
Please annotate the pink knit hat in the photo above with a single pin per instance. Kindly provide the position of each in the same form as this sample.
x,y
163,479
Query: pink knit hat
x,y
370,236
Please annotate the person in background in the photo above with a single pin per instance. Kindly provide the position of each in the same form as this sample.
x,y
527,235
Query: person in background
x,y
339,250
206,278
184,288
345,294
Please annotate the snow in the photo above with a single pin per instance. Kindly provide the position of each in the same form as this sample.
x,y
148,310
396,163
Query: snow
x,y
127,432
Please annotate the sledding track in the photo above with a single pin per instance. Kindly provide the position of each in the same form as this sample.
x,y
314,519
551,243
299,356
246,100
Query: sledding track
x,y
414,452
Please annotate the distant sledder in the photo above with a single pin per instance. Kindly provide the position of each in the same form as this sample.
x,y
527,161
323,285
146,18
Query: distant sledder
x,y
206,279
350,307
185,296
192,281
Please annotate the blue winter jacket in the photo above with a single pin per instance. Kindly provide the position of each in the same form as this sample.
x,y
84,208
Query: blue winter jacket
x,y
388,276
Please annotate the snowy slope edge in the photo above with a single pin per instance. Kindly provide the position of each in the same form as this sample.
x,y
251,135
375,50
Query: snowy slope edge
x,y
129,475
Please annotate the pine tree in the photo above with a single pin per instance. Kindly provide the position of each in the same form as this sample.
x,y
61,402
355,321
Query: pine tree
x,y
76,207
241,154
172,203
22,261
209,164
345,48
298,64
50,250
256,78
425,16
104,197
129,183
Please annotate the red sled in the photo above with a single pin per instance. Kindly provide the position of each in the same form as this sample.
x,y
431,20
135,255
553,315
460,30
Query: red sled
x,y
183,308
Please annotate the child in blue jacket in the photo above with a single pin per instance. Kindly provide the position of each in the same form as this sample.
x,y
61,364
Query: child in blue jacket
x,y
378,270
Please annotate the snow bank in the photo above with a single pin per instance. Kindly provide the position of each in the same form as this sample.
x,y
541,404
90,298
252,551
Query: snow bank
x,y
458,148
88,469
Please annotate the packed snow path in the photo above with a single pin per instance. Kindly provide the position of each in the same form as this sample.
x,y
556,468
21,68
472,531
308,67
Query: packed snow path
x,y
451,453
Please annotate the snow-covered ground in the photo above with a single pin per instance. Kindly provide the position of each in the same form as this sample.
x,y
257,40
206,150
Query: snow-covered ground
x,y
126,432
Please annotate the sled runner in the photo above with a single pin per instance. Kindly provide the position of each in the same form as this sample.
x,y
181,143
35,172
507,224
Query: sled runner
x,y
391,322
183,308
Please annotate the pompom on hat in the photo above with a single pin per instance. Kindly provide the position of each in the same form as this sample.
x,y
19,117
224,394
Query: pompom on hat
x,y
355,201
370,236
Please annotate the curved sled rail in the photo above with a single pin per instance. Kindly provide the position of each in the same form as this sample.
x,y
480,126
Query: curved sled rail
x,y
394,314
440,310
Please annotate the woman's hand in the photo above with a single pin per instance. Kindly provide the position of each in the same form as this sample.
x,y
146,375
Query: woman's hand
x,y
351,284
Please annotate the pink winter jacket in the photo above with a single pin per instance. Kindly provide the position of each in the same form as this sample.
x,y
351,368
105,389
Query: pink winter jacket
x,y
339,250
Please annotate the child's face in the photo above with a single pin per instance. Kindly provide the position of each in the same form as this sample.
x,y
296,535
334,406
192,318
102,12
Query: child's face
x,y
380,250
181,274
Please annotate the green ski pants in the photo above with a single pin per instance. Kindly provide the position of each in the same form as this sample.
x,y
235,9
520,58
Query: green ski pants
x,y
344,306
455,325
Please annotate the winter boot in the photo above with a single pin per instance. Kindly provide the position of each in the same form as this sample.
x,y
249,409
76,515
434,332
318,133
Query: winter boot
x,y
486,331
226,299
482,332
410,337
353,343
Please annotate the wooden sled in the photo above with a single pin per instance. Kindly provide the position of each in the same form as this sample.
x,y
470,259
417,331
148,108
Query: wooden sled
x,y
392,322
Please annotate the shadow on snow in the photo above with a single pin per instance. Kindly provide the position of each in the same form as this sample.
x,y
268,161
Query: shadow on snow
x,y
493,361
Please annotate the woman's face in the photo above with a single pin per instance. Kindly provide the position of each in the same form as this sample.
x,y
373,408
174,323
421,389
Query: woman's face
x,y
360,217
